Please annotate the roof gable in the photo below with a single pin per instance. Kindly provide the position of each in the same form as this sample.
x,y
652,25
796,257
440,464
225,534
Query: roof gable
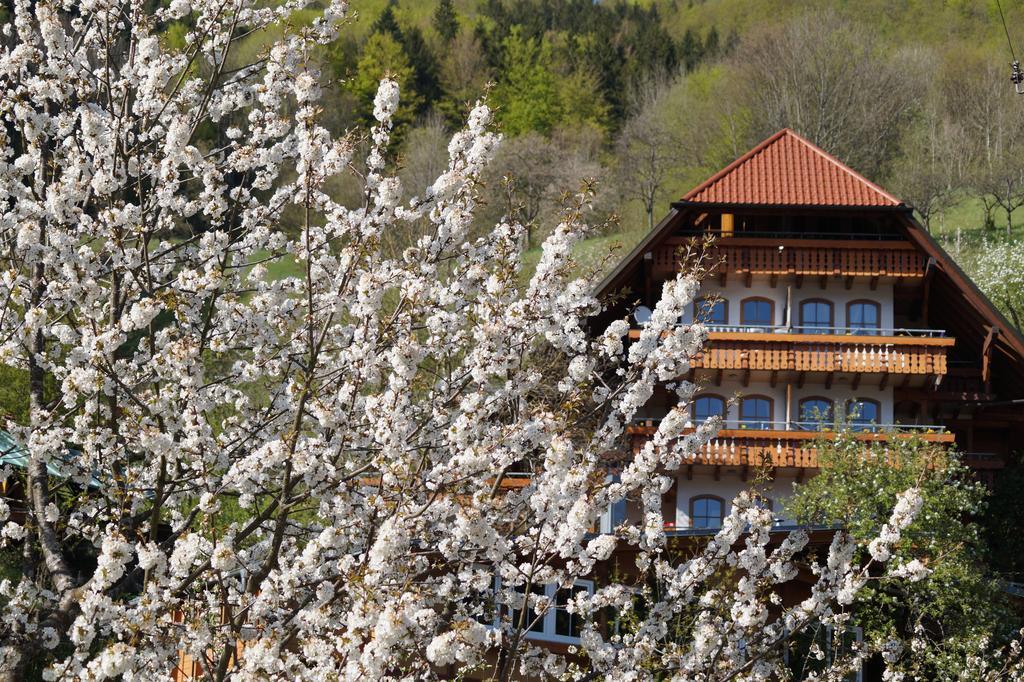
x,y
788,170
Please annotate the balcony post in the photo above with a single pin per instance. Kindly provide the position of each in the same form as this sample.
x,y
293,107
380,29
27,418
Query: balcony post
x,y
789,402
789,308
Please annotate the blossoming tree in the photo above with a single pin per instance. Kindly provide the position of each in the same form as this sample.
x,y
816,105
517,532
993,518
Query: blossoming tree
x,y
314,471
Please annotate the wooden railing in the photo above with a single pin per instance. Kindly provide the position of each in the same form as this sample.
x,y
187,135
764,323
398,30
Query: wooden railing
x,y
824,353
810,257
899,355
770,448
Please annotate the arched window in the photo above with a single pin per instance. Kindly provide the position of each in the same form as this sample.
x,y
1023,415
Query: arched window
x,y
815,316
863,412
711,310
863,316
757,312
815,412
707,511
706,406
756,412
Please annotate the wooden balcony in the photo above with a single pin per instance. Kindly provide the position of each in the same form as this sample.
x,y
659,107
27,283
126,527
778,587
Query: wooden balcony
x,y
774,350
897,355
774,448
801,257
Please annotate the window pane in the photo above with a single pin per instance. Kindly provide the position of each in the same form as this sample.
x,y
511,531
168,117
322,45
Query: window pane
x,y
712,312
815,410
815,316
863,316
863,412
757,313
756,412
532,622
705,407
567,624
707,513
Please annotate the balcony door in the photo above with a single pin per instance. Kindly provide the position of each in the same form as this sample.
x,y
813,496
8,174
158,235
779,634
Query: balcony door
x,y
863,317
757,312
815,316
756,413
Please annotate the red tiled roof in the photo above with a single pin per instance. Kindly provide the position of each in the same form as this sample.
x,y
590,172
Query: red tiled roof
x,y
787,170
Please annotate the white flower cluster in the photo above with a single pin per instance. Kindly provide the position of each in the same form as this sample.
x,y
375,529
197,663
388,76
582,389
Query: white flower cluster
x,y
354,472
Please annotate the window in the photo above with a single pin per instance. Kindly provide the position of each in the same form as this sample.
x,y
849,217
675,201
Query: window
x,y
615,514
707,406
756,412
863,412
568,624
815,412
711,311
757,312
557,623
707,511
532,623
863,316
815,316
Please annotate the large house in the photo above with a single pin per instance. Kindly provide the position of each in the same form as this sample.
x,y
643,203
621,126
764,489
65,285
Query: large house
x,y
827,302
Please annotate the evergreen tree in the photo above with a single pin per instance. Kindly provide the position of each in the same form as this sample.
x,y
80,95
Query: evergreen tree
x,y
691,51
711,43
387,24
446,21
427,80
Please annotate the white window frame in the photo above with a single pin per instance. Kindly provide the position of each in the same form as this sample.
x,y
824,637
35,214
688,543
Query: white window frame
x,y
548,620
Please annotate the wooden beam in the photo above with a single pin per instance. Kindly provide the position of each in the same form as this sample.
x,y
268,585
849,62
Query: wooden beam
x,y
986,358
774,378
828,380
748,279
800,475
744,472
905,382
718,378
800,379
773,280
849,282
746,377
723,276
823,281
718,472
856,381
929,272
884,382
874,282
689,472
799,281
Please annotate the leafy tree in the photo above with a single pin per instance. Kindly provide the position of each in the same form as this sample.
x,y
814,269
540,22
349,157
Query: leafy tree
x,y
957,603
446,21
527,96
996,269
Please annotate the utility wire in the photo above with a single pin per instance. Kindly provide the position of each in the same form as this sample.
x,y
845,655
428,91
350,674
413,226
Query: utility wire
x,y
1006,30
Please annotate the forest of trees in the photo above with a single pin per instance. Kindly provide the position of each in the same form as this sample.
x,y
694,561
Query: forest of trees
x,y
649,98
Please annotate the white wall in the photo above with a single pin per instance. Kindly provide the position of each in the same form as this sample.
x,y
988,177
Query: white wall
x,y
730,485
840,393
835,291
